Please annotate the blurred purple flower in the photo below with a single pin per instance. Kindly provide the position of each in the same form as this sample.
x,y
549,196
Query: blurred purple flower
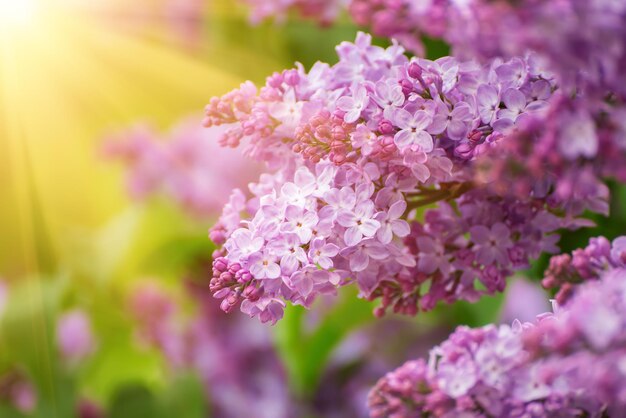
x,y
75,337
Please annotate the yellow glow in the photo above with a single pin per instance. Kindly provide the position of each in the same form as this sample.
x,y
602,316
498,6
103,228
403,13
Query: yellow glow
x,y
17,13
68,76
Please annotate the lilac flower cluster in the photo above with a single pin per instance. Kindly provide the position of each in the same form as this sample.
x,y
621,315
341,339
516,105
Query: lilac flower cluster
x,y
581,42
566,364
17,390
357,150
187,165
567,271
75,338
322,11
577,39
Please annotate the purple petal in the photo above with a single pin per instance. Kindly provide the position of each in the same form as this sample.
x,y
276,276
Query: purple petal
x,y
400,228
345,103
485,255
272,271
346,218
457,130
421,120
438,125
427,263
330,250
426,244
369,227
352,236
397,209
514,99
304,284
480,234
352,116
424,140
359,261
402,119
385,234
403,139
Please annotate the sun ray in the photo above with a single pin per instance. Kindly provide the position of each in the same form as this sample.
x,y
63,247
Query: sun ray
x,y
66,78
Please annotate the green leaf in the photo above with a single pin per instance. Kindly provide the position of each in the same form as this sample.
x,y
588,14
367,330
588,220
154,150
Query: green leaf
x,y
185,397
9,412
306,352
134,401
28,339
120,363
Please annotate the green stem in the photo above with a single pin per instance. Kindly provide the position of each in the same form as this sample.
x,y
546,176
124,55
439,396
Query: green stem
x,y
449,192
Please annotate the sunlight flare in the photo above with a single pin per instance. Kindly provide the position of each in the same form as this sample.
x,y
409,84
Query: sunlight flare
x,y
17,13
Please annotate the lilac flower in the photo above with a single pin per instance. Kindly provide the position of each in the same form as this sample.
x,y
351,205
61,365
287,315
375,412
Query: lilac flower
x,y
515,102
395,189
244,243
589,263
300,222
359,223
513,74
342,199
300,189
456,123
488,102
291,253
321,253
388,96
289,111
391,223
353,105
491,244
361,253
263,265
412,130
432,256
307,279
364,139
